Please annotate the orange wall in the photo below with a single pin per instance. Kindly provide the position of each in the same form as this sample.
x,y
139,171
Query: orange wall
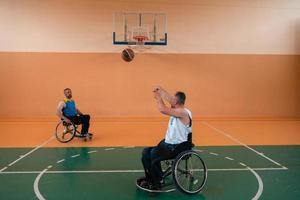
x,y
105,86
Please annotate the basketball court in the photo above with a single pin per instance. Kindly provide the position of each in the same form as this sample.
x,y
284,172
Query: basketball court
x,y
237,62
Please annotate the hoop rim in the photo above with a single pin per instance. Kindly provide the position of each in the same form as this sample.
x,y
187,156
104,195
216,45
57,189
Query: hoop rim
x,y
140,38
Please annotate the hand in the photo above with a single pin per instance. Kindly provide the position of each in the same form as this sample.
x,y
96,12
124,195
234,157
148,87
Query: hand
x,y
157,95
157,89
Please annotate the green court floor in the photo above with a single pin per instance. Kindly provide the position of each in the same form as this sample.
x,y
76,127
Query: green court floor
x,y
110,173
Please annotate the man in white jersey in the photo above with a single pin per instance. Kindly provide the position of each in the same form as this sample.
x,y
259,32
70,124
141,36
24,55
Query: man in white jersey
x,y
177,133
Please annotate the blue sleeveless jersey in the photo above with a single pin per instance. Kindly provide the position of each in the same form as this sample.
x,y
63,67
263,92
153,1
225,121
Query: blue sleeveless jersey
x,y
70,109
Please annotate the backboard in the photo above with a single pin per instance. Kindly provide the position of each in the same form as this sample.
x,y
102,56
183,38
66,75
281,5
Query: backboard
x,y
138,28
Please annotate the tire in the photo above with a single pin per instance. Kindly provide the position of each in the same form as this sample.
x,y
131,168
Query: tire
x,y
65,132
184,172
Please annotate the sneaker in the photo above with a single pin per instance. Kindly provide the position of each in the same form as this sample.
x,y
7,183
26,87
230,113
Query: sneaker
x,y
86,134
82,135
141,179
156,186
143,182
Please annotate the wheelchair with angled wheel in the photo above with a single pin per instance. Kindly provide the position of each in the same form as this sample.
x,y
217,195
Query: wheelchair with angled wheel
x,y
183,168
65,132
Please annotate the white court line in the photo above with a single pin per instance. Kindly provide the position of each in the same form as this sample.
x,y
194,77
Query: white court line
x,y
260,184
212,153
62,160
74,156
243,164
33,150
108,149
36,185
198,150
243,144
228,158
94,151
4,168
132,171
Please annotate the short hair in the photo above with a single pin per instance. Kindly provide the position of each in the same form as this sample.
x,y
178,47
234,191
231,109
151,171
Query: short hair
x,y
67,89
180,97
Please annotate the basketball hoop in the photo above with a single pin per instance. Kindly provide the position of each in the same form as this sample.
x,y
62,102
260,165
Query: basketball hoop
x,y
140,29
138,36
140,39
139,43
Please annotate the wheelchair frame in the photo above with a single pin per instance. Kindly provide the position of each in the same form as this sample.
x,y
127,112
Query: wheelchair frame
x,y
172,168
74,132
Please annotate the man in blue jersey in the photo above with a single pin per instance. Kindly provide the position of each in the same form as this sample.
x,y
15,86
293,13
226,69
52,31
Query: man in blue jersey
x,y
68,112
179,127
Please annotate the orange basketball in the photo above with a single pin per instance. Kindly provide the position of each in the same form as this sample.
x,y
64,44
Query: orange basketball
x,y
128,54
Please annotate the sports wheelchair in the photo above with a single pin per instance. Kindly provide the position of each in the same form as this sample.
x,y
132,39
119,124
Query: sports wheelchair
x,y
65,132
188,170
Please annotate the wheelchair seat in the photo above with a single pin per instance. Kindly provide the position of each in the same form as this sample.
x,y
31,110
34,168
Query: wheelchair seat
x,y
184,146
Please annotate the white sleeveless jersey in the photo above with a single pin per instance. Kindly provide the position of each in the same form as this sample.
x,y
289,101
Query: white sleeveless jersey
x,y
178,132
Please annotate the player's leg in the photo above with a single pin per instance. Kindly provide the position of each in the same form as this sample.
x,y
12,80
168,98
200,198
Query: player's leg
x,y
146,161
85,121
156,170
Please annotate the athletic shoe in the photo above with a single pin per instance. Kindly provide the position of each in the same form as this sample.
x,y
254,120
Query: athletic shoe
x,y
143,182
156,186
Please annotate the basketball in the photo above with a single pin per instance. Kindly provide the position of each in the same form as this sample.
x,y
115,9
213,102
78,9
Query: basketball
x,y
127,54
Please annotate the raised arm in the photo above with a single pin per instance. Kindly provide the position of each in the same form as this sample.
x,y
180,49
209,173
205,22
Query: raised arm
x,y
166,96
59,112
176,112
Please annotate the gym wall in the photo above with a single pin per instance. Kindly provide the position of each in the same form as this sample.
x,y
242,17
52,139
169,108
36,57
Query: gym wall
x,y
232,58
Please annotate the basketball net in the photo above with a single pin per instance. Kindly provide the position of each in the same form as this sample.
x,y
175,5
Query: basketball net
x,y
139,36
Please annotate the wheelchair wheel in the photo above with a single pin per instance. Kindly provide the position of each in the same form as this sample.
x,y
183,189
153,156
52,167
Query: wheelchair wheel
x,y
65,132
189,172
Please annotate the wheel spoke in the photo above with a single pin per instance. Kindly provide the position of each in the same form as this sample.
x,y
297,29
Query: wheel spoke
x,y
65,132
190,172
